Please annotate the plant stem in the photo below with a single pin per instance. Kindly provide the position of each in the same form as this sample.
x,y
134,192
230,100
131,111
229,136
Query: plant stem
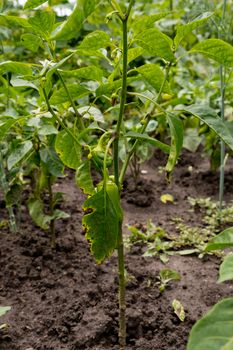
x,y
53,237
120,246
222,109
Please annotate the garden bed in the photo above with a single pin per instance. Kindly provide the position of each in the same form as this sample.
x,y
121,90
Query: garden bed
x,y
62,300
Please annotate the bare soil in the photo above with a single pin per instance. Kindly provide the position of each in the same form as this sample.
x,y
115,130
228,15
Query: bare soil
x,y
62,300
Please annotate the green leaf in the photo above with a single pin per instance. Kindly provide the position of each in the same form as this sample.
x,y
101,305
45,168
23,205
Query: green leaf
x,y
68,150
18,154
4,310
51,161
15,68
91,112
176,130
144,137
71,27
217,49
83,178
31,42
59,214
95,40
36,211
88,73
183,30
226,269
210,117
134,53
153,74
109,88
214,331
145,22
43,22
156,43
221,241
192,140
57,65
14,20
76,91
31,4
102,224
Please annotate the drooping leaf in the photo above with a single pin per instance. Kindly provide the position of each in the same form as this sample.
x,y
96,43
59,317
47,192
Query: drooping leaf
x,y
31,4
88,73
221,241
75,90
210,117
36,211
42,22
4,310
70,28
176,130
145,22
153,74
214,330
31,42
51,161
217,49
102,223
183,30
18,154
15,67
226,269
156,43
83,178
68,150
144,137
95,40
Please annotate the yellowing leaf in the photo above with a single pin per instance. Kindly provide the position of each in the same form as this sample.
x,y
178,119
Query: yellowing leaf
x,y
178,309
165,198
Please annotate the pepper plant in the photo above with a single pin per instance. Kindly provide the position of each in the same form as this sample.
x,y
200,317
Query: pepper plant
x,y
90,86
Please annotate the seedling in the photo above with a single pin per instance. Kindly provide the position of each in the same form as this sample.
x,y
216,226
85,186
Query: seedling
x,y
165,277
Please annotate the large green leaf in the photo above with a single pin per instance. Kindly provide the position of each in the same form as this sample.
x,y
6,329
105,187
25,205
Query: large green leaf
x,y
68,150
31,4
4,310
95,40
214,331
226,269
88,73
102,223
18,68
14,20
134,52
71,27
183,30
83,178
145,22
42,22
156,43
31,42
217,49
109,88
210,117
221,241
153,74
18,154
176,131
144,137
75,90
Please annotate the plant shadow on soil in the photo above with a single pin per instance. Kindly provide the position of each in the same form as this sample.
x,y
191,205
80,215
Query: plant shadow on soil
x,y
63,301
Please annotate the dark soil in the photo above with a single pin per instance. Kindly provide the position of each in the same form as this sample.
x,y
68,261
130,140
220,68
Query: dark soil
x,y
62,300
